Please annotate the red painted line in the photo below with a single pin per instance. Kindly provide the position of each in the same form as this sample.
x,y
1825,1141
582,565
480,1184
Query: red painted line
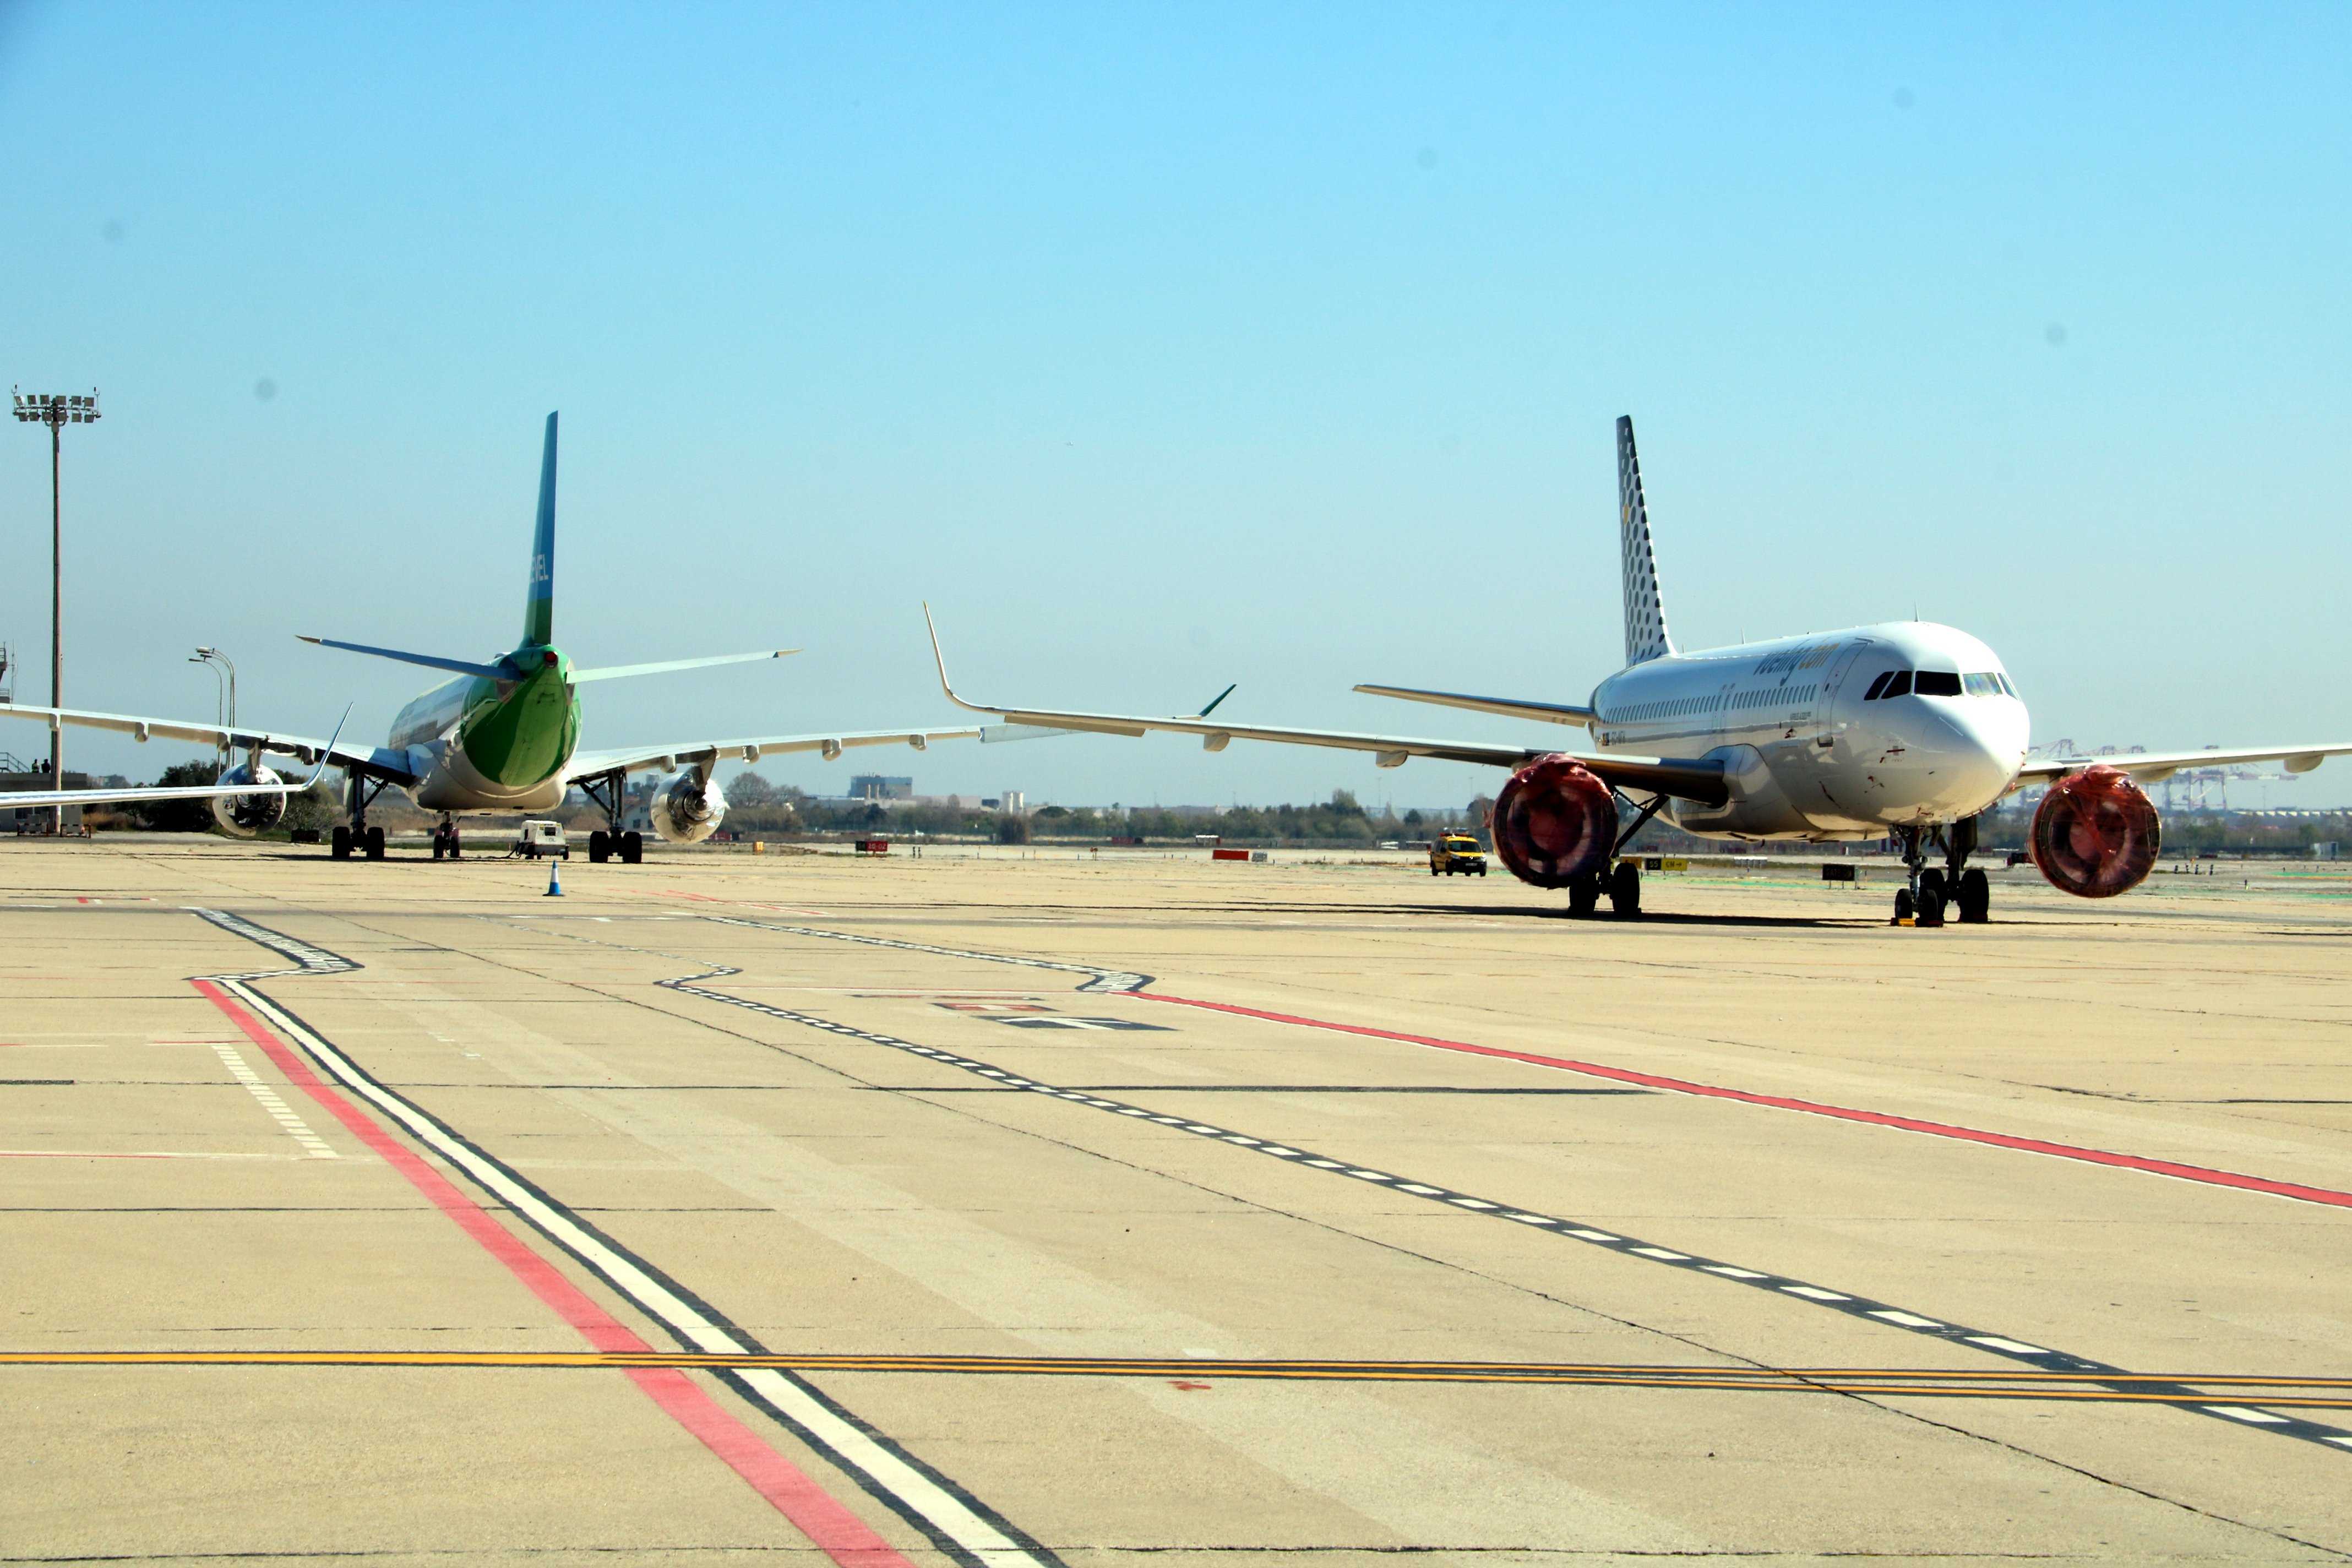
x,y
2202,1173
838,1532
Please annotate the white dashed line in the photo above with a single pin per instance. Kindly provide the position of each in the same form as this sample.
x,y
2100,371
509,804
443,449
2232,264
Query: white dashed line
x,y
1908,1320
1662,1254
2241,1413
1814,1292
291,1124
2011,1347
1729,1272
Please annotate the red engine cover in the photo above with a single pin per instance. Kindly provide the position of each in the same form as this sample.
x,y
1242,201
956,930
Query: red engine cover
x,y
2096,835
1554,821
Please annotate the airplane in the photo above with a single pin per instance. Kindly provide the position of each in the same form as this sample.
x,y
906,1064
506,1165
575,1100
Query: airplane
x,y
504,736
1905,729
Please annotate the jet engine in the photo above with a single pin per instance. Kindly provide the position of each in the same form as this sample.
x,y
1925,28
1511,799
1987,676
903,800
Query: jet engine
x,y
2095,834
1554,821
247,814
688,809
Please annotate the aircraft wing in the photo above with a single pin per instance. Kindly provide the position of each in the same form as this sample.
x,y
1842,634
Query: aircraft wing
x,y
1687,778
379,760
2154,767
669,759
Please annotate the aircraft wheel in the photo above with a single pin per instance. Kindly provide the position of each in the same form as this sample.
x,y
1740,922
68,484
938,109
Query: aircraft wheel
x,y
1904,907
599,847
1975,897
1583,895
633,847
339,843
1931,882
1931,908
1625,890
375,843
457,846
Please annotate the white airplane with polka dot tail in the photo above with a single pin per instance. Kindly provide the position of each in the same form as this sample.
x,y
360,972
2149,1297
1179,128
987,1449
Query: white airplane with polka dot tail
x,y
1905,731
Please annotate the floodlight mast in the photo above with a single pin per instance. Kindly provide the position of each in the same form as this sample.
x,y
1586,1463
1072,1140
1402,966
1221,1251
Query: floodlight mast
x,y
214,655
57,411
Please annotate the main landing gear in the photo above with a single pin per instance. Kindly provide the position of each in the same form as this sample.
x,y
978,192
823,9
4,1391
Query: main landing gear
x,y
603,845
445,840
1621,884
359,836
1956,887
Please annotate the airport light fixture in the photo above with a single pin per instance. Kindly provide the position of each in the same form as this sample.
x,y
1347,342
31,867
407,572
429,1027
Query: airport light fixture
x,y
224,694
57,411
214,655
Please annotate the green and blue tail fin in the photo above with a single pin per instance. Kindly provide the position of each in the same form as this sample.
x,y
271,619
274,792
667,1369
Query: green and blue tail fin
x,y
539,600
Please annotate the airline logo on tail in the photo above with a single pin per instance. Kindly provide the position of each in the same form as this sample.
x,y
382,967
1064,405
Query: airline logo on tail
x,y
1646,614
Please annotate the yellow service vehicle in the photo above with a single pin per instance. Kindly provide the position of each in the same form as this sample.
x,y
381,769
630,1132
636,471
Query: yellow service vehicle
x,y
1451,852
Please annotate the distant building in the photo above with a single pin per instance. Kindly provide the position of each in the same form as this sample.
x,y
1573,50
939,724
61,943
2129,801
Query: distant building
x,y
880,786
1012,801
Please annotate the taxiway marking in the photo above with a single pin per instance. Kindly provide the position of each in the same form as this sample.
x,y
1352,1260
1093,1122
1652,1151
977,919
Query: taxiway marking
x,y
1862,1307
959,1525
1950,1383
280,1111
2205,1175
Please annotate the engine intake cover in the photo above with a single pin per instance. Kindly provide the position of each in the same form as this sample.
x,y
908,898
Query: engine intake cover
x,y
1554,821
2096,834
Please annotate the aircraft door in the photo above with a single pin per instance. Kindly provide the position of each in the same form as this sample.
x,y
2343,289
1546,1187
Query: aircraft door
x,y
1835,712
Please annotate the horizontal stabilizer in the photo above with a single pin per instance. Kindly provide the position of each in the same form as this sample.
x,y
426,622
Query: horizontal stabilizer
x,y
1551,712
430,661
616,671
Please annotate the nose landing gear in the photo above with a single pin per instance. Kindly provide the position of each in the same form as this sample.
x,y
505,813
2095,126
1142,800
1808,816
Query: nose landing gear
x,y
1954,886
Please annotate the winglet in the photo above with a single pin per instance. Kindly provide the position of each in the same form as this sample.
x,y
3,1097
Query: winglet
x,y
1221,696
942,661
326,755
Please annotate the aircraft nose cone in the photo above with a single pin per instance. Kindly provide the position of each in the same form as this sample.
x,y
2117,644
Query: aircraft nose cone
x,y
1984,742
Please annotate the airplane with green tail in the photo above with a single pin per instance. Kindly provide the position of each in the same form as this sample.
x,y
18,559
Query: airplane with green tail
x,y
503,736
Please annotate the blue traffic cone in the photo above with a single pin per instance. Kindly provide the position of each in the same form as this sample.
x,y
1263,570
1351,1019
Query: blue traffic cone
x,y
554,880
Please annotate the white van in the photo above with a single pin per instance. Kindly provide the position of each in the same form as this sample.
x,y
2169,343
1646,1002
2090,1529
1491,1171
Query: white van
x,y
539,839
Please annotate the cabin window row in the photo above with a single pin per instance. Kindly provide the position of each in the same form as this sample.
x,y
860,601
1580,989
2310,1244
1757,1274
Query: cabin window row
x,y
1938,683
1775,696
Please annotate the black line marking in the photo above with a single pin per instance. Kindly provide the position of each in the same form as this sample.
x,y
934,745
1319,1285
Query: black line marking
x,y
1784,1287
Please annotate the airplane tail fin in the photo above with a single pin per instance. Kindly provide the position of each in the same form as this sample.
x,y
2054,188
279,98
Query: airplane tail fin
x,y
1646,637
538,599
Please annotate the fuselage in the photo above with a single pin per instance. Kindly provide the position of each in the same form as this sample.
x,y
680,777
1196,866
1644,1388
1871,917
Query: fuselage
x,y
1834,736
477,744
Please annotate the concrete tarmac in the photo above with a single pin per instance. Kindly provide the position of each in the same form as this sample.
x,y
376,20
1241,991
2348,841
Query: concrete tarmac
x,y
1033,1163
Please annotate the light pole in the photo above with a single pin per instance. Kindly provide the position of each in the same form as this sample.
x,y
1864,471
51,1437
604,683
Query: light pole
x,y
212,655
220,699
57,412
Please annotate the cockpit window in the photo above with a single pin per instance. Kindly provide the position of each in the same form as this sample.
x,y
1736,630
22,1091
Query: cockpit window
x,y
1900,686
1985,685
1935,683
1878,686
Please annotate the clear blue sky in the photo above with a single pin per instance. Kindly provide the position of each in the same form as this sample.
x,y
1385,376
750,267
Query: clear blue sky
x,y
1165,347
